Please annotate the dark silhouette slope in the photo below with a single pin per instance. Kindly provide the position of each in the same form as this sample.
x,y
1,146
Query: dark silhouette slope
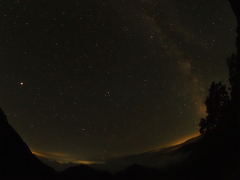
x,y
235,4
16,159
215,156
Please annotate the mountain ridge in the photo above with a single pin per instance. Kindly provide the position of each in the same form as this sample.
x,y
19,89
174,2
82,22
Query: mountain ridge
x,y
17,160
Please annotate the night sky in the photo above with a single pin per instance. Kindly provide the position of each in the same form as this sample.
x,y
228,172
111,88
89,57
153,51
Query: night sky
x,y
88,80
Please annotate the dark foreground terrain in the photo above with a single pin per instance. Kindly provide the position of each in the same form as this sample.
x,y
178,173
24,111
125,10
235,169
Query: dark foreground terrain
x,y
214,156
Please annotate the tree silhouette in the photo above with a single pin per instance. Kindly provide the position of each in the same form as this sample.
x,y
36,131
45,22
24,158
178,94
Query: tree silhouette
x,y
216,104
232,70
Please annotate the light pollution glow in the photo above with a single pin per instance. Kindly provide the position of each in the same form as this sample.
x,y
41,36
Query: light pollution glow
x,y
184,139
63,158
66,158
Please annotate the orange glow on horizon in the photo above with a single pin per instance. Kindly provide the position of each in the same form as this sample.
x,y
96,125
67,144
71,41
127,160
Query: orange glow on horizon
x,y
182,140
66,158
175,142
63,158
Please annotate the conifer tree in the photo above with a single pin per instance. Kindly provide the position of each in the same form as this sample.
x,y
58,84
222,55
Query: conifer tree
x,y
216,104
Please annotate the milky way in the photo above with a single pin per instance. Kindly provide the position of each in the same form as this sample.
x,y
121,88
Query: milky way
x,y
91,80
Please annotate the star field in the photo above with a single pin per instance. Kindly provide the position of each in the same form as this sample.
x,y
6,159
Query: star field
x,y
92,80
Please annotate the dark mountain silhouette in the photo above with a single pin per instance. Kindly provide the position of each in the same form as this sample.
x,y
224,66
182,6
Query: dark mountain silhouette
x,y
138,172
159,158
56,164
214,156
84,172
17,161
